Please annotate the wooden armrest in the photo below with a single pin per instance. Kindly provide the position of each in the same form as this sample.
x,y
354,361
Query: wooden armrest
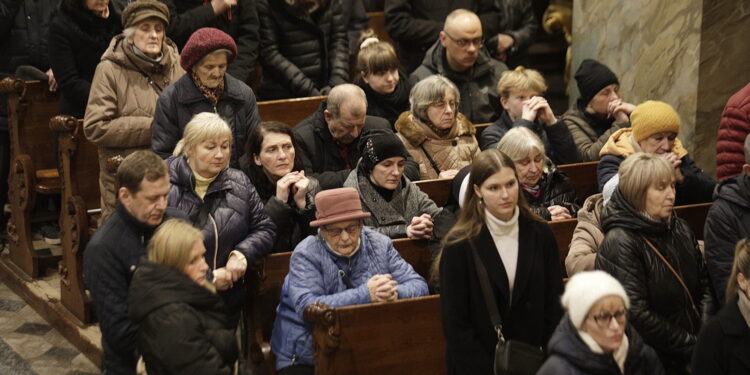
x,y
319,313
63,123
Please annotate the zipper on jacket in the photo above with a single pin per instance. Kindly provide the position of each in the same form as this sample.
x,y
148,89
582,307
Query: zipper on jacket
x,y
345,279
216,238
294,359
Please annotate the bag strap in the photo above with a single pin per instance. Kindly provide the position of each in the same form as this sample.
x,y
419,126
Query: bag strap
x,y
489,299
429,157
676,275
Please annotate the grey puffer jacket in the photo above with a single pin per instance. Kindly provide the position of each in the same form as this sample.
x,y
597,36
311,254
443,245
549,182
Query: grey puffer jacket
x,y
391,218
231,217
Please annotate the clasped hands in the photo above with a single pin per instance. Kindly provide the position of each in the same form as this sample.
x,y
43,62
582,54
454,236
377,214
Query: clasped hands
x,y
420,227
225,277
382,288
294,183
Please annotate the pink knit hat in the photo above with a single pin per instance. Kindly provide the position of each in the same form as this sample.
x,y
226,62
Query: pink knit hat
x,y
204,41
337,205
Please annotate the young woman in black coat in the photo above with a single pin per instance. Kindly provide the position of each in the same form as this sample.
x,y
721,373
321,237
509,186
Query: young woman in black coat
x,y
182,324
639,226
79,33
724,343
520,254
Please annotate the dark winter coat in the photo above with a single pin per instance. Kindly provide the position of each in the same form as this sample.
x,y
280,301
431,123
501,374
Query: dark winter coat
x,y
416,24
182,100
517,19
479,101
659,307
733,129
723,345
320,153
24,29
569,355
558,143
555,190
241,23
110,259
388,106
590,132
727,222
302,55
531,317
230,207
292,223
183,327
78,39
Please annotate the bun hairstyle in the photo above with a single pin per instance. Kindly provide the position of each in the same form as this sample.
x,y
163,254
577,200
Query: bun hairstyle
x,y
375,56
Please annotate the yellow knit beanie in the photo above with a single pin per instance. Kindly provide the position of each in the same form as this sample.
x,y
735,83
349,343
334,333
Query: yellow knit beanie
x,y
653,117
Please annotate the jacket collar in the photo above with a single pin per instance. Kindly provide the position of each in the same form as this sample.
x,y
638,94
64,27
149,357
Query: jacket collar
x,y
417,133
189,93
436,60
137,225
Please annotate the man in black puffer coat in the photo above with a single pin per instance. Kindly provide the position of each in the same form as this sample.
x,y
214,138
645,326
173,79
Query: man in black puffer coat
x,y
304,48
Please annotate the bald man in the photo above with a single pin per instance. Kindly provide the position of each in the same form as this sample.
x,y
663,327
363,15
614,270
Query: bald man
x,y
459,55
327,141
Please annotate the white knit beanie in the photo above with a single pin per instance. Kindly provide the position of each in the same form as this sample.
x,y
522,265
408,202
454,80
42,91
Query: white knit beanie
x,y
584,289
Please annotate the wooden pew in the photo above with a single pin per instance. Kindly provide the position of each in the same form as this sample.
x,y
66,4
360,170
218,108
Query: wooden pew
x,y
33,167
289,111
439,190
79,166
480,128
583,178
695,215
563,230
401,337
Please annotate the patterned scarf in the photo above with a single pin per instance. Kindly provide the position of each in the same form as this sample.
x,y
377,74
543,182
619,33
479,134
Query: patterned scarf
x,y
212,94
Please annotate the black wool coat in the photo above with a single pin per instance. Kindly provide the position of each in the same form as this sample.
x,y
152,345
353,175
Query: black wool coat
x,y
660,309
723,345
183,328
532,314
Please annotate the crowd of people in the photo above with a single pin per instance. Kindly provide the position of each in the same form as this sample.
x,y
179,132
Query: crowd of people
x,y
196,188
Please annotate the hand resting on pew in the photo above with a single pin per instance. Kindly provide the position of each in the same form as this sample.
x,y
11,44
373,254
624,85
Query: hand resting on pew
x,y
558,212
382,288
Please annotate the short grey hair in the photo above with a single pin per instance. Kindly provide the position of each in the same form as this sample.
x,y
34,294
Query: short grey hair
x,y
746,149
225,51
202,127
345,94
429,91
129,32
519,142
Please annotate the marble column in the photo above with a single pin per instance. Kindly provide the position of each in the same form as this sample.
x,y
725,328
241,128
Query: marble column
x,y
692,54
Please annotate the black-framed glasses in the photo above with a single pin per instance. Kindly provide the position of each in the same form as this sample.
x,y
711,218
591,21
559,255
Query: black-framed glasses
x,y
350,230
463,43
605,319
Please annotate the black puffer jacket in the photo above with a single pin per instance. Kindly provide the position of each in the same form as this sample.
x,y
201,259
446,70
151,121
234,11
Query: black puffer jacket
x,y
234,207
555,190
558,143
727,222
302,55
517,19
78,39
569,355
24,29
181,101
659,307
241,23
183,327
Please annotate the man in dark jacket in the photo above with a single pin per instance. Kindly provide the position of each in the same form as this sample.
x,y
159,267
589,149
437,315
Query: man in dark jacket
x,y
328,138
727,222
238,18
116,248
459,55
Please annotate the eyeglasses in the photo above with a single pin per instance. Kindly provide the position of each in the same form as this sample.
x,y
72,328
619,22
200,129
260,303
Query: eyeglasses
x,y
350,230
442,105
604,320
463,43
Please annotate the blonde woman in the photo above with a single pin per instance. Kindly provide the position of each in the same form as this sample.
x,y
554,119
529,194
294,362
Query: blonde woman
x,y
182,324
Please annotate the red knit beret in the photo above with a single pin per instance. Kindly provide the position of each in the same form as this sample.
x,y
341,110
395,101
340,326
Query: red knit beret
x,y
204,41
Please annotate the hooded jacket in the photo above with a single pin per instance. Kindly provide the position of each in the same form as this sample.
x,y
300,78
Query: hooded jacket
x,y
696,187
587,236
727,222
733,129
455,151
181,101
558,143
568,354
659,307
391,217
183,328
555,189
302,54
479,101
315,276
590,132
231,216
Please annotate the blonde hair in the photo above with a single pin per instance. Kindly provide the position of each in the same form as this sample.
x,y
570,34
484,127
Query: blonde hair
x,y
520,79
202,127
741,265
639,172
172,243
519,142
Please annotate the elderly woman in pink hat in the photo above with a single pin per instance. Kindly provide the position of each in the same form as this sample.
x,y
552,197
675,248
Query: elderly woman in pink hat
x,y
205,88
345,264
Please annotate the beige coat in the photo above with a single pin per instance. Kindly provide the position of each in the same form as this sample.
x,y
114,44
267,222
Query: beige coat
x,y
586,237
121,106
455,151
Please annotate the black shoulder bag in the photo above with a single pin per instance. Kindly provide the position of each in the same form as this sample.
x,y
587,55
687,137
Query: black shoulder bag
x,y
512,357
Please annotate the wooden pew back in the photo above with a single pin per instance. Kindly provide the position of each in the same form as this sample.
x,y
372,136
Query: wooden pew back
x,y
563,231
439,190
583,178
289,111
695,215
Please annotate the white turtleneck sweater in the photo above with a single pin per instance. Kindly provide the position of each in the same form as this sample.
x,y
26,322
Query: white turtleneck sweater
x,y
505,235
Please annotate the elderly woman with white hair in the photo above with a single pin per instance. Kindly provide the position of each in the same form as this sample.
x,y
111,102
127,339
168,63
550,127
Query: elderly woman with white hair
x,y
655,256
222,202
594,336
440,139
546,188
